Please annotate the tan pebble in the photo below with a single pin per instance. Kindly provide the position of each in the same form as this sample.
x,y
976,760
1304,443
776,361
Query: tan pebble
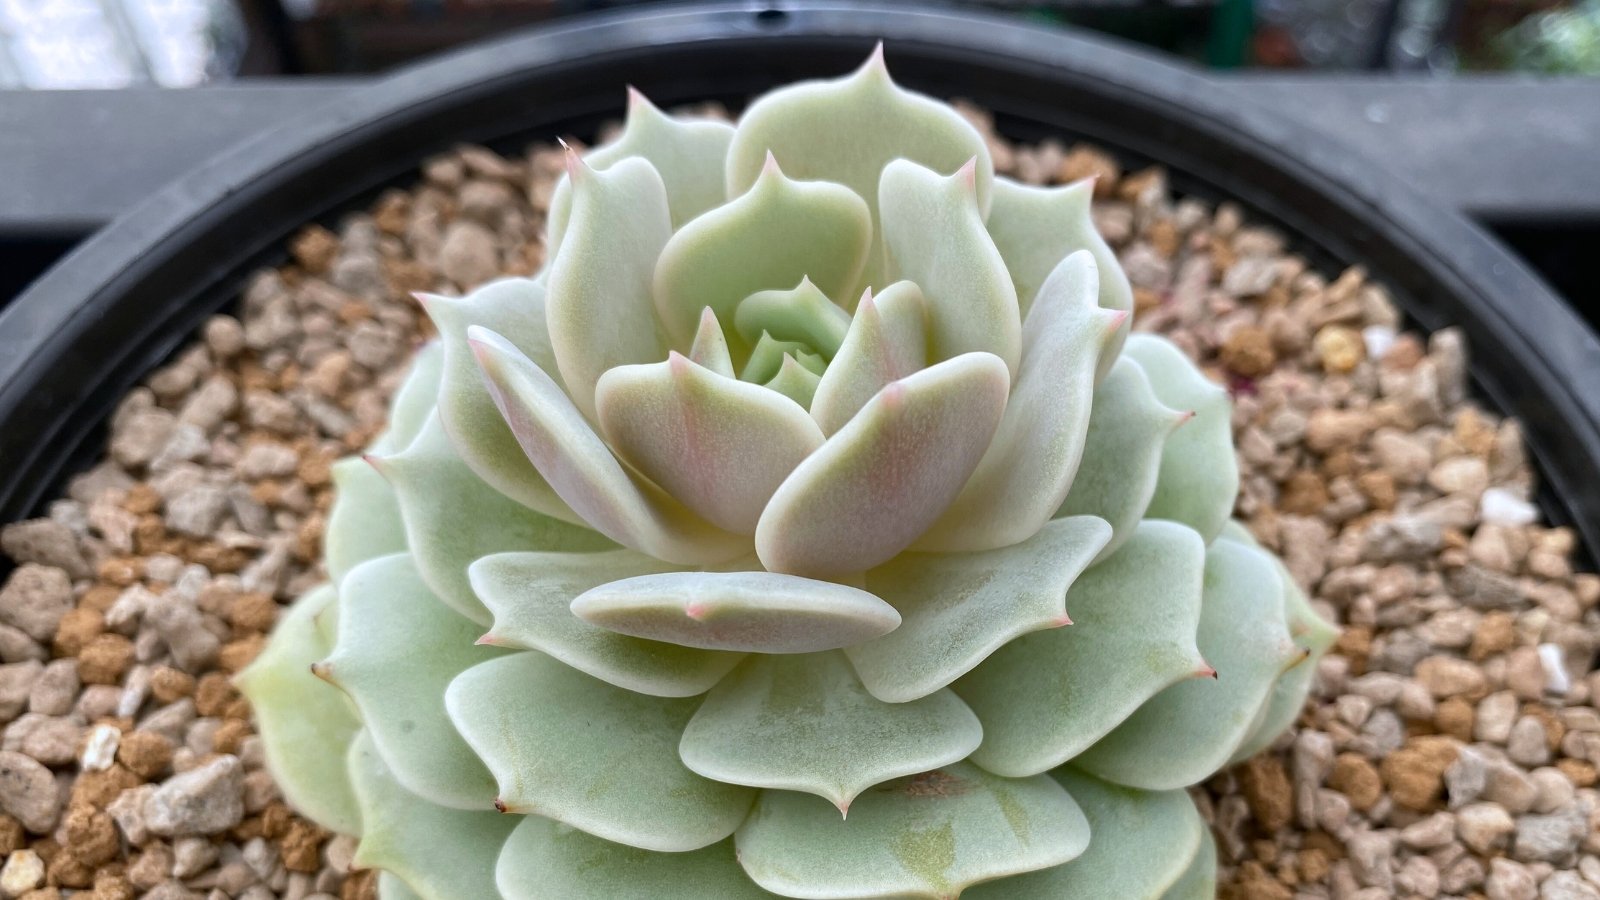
x,y
253,612
1378,488
1454,717
1084,161
230,735
1336,429
1304,494
314,248
1414,774
1356,778
1248,351
168,684
67,870
1254,882
78,628
1447,676
1495,634
91,836
145,753
112,886
235,655
361,885
1266,788
213,694
98,789
151,867
11,834
104,659
1339,349
301,847
1579,772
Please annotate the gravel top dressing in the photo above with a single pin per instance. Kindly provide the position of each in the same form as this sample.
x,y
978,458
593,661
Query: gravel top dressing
x,y
1449,748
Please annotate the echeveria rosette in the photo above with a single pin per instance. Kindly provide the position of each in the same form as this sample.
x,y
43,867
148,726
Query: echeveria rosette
x,y
731,555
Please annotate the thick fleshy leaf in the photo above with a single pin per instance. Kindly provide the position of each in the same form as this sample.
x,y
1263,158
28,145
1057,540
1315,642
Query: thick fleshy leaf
x,y
452,518
795,381
414,401
1037,227
766,359
436,852
762,612
959,608
598,308
847,130
393,887
887,341
1143,843
305,724
1311,633
929,835
888,474
1199,881
1199,478
689,152
546,860
1121,453
806,723
513,308
768,238
364,522
597,757
802,313
710,347
1029,467
719,445
404,629
1191,729
531,597
934,235
1046,697
566,451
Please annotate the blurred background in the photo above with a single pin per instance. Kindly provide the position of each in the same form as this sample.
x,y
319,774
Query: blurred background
x,y
57,44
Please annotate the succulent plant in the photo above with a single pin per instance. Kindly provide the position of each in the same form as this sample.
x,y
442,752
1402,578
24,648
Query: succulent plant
x,y
733,555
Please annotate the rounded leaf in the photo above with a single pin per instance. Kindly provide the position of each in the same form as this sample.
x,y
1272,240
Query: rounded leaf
x,y
546,860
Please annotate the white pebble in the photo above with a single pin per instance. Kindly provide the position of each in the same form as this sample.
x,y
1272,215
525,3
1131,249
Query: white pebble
x,y
1555,668
1502,507
23,872
100,749
1378,338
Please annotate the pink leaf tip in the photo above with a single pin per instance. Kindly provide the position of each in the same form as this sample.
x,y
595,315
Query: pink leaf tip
x,y
1061,621
1205,671
696,611
769,167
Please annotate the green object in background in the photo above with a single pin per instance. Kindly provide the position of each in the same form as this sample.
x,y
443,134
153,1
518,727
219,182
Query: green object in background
x,y
1560,42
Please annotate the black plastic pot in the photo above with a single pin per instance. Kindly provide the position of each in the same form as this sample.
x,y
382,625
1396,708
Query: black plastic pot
x,y
123,301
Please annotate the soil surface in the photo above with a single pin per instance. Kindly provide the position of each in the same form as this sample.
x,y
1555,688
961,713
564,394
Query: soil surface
x,y
1449,748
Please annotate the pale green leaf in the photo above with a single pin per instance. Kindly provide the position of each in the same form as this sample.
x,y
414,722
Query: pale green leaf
x,y
1121,453
1046,697
452,517
887,341
435,852
583,471
766,359
959,608
689,152
1141,845
1199,881
768,238
888,474
1037,227
364,522
513,308
393,887
718,445
846,130
934,235
546,860
1029,466
929,836
1199,478
531,597
305,724
763,612
710,348
795,381
599,310
806,723
395,664
1191,729
801,313
597,757
414,400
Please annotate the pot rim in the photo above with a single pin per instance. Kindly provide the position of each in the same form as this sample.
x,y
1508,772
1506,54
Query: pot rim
x,y
88,330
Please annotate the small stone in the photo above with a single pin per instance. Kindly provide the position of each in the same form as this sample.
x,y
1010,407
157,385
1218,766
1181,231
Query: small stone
x,y
138,437
1371,853
1433,832
46,542
204,800
1527,744
1402,538
34,599
1568,886
182,627
1266,788
1509,881
56,688
1499,506
1447,676
16,687
99,748
146,753
191,856
1550,838
1334,429
1248,351
1414,773
105,659
467,256
1484,827
198,511
1401,455
23,872
1553,790
27,792
1339,349
127,810
1460,475
1355,777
